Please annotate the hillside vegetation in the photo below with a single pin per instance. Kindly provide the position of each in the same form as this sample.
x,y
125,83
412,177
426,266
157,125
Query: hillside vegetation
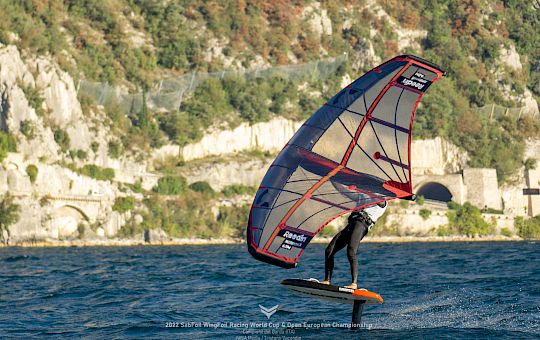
x,y
135,43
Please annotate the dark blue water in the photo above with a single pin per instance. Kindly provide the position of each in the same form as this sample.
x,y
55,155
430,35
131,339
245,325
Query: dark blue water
x,y
431,290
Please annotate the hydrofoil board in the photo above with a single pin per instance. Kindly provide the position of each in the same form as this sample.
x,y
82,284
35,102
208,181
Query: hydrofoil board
x,y
314,288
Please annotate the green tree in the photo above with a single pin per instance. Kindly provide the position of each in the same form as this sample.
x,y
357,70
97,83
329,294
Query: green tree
x,y
425,213
180,127
530,163
528,228
467,220
9,215
94,171
94,146
124,204
32,172
27,128
115,149
34,98
7,144
61,138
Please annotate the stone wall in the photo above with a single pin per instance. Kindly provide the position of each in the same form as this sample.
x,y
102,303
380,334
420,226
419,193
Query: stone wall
x,y
532,180
408,222
482,188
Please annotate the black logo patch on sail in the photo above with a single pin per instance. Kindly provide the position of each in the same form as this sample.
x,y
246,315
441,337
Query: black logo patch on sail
x,y
293,239
417,81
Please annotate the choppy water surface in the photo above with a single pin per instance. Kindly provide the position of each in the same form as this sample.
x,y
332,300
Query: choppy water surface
x,y
431,290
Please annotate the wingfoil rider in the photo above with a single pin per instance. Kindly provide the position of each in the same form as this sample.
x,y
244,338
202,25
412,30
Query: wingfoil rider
x,y
359,224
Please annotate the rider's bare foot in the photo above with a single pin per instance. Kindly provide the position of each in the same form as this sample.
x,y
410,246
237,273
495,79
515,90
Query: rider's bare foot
x,y
325,282
352,286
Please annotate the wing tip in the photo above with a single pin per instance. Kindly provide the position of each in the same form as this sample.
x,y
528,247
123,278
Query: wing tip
x,y
423,61
270,260
265,258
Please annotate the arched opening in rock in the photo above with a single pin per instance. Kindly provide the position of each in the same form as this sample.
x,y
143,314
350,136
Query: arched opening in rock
x,y
66,219
435,191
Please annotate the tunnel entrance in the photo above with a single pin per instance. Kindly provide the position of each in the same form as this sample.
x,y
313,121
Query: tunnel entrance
x,y
435,191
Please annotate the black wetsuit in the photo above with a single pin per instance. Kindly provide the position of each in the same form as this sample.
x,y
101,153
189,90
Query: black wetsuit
x,y
350,236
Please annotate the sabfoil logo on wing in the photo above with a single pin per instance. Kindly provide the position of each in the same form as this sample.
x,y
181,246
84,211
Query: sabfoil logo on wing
x,y
269,311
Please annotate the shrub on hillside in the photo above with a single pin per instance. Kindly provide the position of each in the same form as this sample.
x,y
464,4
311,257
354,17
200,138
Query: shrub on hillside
x,y
231,221
32,172
27,128
528,228
7,144
425,213
61,138
506,232
34,98
115,149
237,189
467,220
171,185
94,171
123,204
202,187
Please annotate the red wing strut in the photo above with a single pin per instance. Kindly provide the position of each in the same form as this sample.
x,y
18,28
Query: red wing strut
x,y
354,151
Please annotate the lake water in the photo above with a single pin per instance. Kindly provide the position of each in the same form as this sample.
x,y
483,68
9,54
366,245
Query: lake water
x,y
431,290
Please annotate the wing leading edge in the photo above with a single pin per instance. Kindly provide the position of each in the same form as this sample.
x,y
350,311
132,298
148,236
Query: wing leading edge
x,y
353,152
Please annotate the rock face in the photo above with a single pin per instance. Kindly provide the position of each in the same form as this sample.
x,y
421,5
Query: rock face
x,y
437,157
220,175
510,57
406,38
14,76
58,202
364,56
60,107
532,151
318,19
530,105
269,136
60,110
432,156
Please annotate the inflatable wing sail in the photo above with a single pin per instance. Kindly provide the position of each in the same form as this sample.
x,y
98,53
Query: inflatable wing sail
x,y
353,152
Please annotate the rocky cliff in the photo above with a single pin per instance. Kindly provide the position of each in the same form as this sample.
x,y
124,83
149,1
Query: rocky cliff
x,y
60,203
64,142
38,99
